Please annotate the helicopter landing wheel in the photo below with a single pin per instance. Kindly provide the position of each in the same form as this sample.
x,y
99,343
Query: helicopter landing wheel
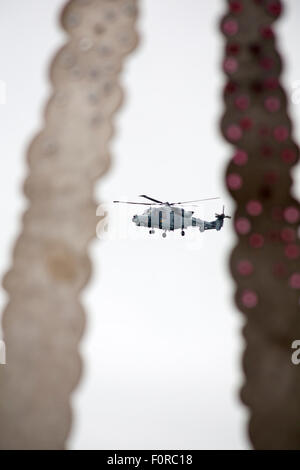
x,y
182,233
151,232
164,235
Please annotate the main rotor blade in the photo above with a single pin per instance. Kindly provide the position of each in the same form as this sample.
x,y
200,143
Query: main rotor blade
x,y
139,203
190,205
197,200
151,199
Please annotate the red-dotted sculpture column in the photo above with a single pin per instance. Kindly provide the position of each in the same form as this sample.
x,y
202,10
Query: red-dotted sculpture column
x,y
265,262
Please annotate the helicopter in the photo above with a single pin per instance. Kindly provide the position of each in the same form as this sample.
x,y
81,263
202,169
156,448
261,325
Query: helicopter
x,y
166,216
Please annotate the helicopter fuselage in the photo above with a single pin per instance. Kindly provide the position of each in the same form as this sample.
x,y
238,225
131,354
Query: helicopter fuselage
x,y
170,218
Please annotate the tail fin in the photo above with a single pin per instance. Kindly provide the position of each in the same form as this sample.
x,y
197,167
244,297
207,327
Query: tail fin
x,y
220,219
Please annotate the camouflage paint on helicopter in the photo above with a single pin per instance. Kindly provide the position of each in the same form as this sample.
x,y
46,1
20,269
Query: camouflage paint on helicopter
x,y
167,217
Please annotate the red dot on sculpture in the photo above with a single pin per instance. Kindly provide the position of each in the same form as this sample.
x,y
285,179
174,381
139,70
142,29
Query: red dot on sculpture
x,y
288,155
264,131
267,32
249,298
291,214
235,6
242,226
274,8
295,281
245,267
281,133
230,27
230,87
292,251
234,181
266,151
273,235
271,83
279,270
240,157
288,235
246,123
256,240
254,208
270,177
230,65
242,102
232,49
272,104
277,214
234,132
266,63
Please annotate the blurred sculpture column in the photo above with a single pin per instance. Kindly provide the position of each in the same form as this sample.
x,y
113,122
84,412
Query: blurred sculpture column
x,y
265,262
44,320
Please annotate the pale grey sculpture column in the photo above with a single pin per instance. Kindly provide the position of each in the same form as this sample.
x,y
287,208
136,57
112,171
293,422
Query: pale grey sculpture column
x,y
44,319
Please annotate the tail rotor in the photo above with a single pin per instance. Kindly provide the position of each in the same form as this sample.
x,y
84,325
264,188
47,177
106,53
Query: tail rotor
x,y
222,216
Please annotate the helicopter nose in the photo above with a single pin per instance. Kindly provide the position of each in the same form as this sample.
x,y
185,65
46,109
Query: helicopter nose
x,y
135,218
